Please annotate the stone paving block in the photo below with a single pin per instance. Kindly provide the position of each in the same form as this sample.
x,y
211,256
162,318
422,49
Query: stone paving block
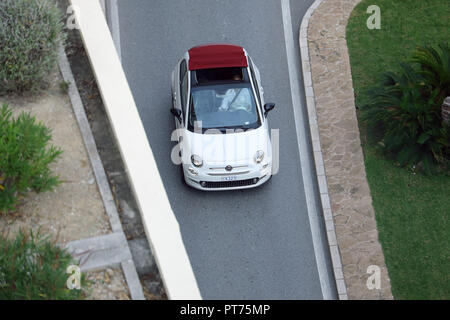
x,y
100,252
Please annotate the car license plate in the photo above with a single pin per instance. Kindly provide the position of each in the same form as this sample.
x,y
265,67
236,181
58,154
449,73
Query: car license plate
x,y
230,178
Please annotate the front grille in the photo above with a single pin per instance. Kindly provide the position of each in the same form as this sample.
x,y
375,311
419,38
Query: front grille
x,y
228,173
229,184
222,168
221,171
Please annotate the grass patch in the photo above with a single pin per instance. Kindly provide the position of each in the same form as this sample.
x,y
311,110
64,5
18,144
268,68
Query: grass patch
x,y
405,25
412,210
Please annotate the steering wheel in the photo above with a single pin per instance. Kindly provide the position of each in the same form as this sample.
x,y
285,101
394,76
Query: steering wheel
x,y
242,107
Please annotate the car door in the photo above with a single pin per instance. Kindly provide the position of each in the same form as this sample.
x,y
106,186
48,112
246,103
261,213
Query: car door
x,y
180,91
183,90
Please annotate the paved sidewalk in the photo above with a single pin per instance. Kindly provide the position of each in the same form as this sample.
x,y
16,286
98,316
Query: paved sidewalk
x,y
349,193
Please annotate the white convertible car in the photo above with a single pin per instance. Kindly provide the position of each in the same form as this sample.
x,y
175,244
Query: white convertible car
x,y
221,119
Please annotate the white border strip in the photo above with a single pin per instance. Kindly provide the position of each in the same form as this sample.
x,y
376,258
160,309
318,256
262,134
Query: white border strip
x,y
313,212
160,224
321,177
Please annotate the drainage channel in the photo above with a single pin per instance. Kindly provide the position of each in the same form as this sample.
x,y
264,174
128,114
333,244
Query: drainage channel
x,y
110,156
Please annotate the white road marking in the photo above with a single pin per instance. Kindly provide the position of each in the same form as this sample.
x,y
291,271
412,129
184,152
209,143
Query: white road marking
x,y
307,170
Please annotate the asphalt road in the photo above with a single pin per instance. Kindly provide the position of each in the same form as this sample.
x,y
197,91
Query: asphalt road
x,y
251,244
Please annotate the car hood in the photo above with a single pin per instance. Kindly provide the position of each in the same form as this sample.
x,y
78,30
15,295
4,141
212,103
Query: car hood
x,y
228,148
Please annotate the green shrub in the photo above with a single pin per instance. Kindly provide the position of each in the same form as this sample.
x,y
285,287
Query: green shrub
x,y
32,268
24,157
434,65
404,112
30,31
64,86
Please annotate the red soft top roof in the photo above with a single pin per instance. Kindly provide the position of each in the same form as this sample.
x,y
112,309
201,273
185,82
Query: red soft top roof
x,y
216,56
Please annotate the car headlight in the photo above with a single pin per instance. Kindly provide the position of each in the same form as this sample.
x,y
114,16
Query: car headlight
x,y
196,160
259,156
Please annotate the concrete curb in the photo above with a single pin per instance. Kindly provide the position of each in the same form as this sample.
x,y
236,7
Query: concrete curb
x,y
128,267
307,166
317,150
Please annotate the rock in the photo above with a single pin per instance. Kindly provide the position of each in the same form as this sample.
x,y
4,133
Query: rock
x,y
123,296
107,279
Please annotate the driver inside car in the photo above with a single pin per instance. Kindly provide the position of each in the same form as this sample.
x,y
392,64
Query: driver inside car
x,y
236,99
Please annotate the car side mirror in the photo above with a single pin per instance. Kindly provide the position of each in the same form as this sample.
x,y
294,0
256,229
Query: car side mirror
x,y
176,113
268,107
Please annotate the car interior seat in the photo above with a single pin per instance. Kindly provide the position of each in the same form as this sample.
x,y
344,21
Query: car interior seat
x,y
204,102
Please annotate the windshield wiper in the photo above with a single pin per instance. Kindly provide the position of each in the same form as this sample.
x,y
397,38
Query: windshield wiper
x,y
226,127
240,127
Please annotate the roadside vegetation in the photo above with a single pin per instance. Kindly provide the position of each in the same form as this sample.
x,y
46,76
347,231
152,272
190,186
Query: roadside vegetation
x,y
34,268
401,76
30,31
25,158
404,112
31,266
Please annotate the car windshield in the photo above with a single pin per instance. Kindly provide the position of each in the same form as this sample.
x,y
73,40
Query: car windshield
x,y
226,106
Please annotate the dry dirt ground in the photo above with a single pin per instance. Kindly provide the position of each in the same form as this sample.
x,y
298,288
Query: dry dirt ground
x,y
74,210
108,284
